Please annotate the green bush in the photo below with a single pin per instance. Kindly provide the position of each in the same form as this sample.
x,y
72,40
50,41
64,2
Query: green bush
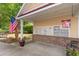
x,y
28,28
72,52
1,30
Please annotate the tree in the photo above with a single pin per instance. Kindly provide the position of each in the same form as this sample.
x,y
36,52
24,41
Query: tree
x,y
11,9
6,11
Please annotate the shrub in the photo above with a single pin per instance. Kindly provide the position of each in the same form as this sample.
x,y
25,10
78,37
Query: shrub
x,y
28,28
71,52
1,30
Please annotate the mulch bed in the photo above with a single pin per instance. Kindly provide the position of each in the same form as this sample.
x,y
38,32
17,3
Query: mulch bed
x,y
8,40
12,40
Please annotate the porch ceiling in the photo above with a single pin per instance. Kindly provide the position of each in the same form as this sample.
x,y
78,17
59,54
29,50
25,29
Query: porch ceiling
x,y
64,9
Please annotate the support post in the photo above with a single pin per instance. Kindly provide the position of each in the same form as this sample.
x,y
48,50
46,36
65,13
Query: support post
x,y
21,29
77,22
22,41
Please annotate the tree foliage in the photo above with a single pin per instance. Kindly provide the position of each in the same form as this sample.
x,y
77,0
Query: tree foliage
x,y
6,11
28,27
11,9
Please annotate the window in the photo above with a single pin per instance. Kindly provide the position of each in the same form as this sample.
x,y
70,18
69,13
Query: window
x,y
58,31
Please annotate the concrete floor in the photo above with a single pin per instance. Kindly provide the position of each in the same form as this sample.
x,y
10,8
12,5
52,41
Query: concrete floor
x,y
31,49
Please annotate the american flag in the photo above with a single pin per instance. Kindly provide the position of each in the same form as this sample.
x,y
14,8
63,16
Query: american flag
x,y
66,23
13,24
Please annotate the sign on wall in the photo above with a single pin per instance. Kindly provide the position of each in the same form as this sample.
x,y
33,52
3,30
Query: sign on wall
x,y
66,23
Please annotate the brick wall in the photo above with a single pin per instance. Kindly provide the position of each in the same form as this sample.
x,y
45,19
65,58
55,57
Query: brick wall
x,y
62,41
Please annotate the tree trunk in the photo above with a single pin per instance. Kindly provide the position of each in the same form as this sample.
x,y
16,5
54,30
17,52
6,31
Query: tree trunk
x,y
16,32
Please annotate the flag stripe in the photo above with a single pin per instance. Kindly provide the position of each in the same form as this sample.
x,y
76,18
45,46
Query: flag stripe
x,y
13,24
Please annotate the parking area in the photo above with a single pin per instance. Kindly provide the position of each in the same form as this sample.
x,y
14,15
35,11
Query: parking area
x,y
31,49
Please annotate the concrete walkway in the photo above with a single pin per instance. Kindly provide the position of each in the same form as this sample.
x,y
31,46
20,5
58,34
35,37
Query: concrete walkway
x,y
31,49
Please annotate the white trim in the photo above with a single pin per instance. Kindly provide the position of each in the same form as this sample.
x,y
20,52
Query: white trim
x,y
36,7
39,10
78,24
26,8
21,9
21,29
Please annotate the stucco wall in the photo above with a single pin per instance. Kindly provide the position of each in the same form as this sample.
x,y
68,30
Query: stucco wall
x,y
57,21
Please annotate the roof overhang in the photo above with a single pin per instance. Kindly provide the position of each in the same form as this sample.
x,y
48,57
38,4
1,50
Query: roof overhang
x,y
51,11
36,10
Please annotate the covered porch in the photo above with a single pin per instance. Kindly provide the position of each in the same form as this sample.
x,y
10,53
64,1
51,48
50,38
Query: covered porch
x,y
46,16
